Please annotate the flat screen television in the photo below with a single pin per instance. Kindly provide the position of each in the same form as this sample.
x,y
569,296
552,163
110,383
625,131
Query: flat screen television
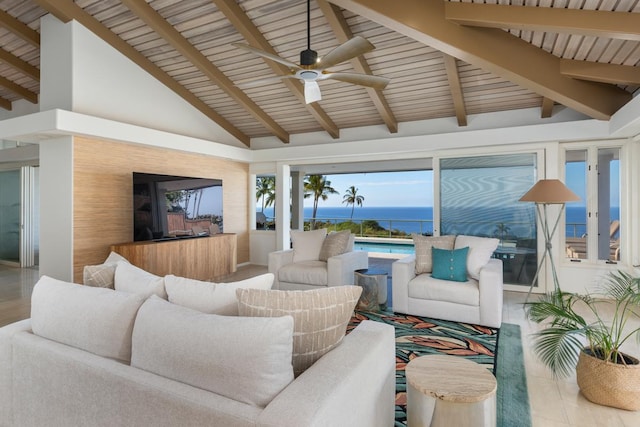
x,y
169,207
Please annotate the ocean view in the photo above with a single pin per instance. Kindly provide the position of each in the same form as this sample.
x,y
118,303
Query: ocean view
x,y
475,221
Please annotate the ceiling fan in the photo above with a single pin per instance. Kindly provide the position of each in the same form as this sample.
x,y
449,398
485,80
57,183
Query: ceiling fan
x,y
313,69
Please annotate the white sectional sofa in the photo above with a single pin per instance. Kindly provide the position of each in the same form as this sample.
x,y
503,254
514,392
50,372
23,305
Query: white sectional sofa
x,y
117,359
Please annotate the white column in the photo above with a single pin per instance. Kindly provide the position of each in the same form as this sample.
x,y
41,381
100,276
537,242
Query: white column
x,y
56,205
283,213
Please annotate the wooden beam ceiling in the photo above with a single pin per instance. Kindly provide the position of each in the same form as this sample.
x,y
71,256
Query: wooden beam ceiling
x,y
250,32
546,109
493,50
154,20
20,65
596,23
18,28
66,10
599,72
343,33
456,88
19,90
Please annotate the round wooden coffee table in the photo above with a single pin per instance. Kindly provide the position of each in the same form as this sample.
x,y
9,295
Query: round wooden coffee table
x,y
444,391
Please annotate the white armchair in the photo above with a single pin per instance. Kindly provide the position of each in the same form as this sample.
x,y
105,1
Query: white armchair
x,y
476,301
311,272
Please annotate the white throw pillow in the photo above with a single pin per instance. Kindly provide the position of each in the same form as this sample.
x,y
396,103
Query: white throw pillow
x,y
129,278
212,298
480,251
114,258
96,320
423,247
245,359
307,244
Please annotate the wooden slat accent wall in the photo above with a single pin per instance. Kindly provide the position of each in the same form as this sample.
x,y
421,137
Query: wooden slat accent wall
x,y
103,202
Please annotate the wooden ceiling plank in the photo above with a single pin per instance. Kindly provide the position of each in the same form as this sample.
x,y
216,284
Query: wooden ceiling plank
x,y
67,10
152,18
546,109
250,32
343,33
19,29
600,72
596,23
493,50
20,65
5,104
19,90
456,88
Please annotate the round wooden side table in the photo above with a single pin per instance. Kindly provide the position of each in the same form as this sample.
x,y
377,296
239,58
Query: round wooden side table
x,y
444,391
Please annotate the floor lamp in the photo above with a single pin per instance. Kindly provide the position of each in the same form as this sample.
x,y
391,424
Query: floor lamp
x,y
548,192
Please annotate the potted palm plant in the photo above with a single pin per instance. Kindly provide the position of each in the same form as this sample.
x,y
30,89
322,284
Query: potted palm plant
x,y
605,374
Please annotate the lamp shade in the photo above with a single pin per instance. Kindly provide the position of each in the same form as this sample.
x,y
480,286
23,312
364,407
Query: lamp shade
x,y
549,191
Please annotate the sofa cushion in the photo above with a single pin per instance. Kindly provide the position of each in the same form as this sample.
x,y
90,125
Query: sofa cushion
x,y
96,320
307,244
335,243
426,287
102,275
245,359
307,272
450,264
480,251
129,278
424,245
320,317
212,298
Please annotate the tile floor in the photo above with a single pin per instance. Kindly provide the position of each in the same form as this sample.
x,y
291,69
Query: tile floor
x,y
554,403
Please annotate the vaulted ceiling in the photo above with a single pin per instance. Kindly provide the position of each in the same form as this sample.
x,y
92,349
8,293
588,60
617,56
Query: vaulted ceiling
x,y
444,58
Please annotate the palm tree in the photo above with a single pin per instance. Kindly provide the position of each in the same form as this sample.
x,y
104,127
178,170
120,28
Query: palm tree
x,y
320,188
352,198
266,189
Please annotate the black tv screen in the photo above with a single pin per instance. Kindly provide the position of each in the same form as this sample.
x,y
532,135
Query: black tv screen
x,y
167,206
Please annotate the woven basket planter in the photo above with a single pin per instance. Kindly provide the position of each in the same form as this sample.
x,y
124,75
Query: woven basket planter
x,y
609,384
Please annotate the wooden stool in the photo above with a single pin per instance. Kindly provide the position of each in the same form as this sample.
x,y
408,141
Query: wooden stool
x,y
445,391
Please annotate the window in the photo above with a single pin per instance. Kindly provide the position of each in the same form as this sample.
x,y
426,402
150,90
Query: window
x,y
265,200
593,223
479,197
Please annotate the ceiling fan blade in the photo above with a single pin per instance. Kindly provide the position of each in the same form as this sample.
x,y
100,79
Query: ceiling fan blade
x,y
311,92
360,79
267,55
248,83
347,50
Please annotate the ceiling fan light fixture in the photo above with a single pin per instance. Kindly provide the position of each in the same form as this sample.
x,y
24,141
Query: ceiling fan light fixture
x,y
308,57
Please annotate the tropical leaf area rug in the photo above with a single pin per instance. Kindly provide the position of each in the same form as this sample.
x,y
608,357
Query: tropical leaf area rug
x,y
500,350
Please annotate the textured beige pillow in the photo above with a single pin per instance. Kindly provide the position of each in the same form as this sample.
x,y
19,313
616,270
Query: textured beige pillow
x,y
424,244
320,317
307,244
99,276
334,244
96,320
245,359
480,251
213,298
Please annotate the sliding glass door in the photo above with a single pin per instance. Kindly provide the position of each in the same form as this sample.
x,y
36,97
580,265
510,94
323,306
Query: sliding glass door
x,y
10,217
479,197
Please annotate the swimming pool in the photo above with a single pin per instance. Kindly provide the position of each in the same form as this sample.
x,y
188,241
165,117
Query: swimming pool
x,y
386,248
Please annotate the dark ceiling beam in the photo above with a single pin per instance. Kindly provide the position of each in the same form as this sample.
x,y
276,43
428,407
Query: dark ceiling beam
x,y
546,109
154,20
19,90
600,72
250,32
20,65
595,23
5,104
20,29
455,87
343,33
66,10
493,50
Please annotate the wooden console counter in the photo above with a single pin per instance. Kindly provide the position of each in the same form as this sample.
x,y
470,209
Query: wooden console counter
x,y
207,258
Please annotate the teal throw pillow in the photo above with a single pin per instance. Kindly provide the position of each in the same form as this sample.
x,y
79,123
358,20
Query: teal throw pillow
x,y
450,264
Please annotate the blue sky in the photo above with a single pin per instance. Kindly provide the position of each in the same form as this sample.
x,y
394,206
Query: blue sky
x,y
383,189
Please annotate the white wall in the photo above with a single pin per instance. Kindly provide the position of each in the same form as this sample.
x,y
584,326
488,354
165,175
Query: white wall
x,y
82,73
56,206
